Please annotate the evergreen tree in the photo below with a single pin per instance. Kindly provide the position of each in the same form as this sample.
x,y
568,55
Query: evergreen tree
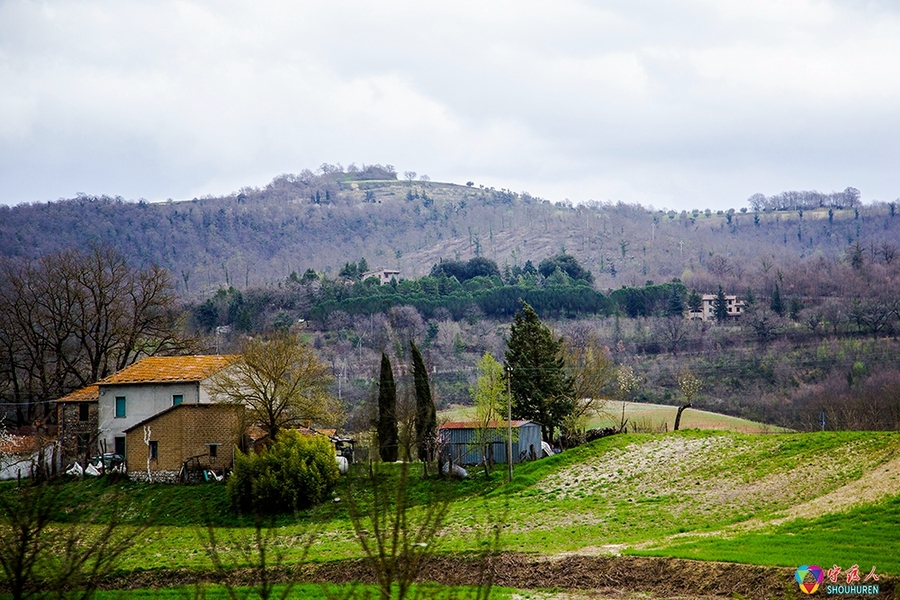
x,y
720,306
675,305
426,415
777,305
541,390
695,301
749,298
388,436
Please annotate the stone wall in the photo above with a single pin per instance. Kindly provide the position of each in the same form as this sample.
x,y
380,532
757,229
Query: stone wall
x,y
71,427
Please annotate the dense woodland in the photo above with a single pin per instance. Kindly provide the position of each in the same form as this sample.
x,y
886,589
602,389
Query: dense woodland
x,y
818,272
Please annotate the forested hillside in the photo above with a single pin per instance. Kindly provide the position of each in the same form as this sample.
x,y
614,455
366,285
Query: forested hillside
x,y
297,222
818,274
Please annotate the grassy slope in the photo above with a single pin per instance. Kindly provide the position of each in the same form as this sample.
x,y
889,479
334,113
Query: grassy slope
x,y
708,495
649,416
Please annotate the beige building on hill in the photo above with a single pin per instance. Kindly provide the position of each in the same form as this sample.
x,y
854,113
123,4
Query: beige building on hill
x,y
384,276
707,310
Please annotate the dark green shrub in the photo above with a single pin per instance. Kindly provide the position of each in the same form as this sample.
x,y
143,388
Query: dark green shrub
x,y
294,473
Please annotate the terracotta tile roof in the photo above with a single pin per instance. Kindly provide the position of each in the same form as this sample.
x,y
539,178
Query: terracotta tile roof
x,y
90,393
476,424
167,369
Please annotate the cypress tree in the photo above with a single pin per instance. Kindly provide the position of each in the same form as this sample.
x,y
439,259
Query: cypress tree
x,y
720,306
426,415
675,305
777,305
388,436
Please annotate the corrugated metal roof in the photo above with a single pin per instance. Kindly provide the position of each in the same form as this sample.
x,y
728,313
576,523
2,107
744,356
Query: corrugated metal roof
x,y
168,369
90,393
476,424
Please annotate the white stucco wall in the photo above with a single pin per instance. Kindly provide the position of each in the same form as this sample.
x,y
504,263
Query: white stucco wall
x,y
141,402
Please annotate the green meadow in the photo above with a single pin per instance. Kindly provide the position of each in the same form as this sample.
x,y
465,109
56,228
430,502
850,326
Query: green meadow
x,y
778,499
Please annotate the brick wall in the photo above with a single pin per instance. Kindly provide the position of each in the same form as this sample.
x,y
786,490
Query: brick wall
x,y
183,432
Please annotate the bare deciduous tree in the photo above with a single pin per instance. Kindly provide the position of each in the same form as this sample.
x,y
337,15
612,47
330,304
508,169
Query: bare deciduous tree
x,y
399,537
689,385
74,317
280,381
594,380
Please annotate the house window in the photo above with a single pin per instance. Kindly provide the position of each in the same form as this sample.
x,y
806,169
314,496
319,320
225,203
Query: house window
x,y
83,411
213,451
120,407
119,445
177,399
154,450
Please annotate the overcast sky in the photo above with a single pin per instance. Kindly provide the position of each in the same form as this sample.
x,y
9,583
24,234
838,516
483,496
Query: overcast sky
x,y
677,103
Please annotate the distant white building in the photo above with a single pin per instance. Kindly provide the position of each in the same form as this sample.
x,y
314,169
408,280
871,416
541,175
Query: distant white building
x,y
384,275
707,310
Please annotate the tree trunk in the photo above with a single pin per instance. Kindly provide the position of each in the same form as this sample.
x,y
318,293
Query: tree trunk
x,y
678,416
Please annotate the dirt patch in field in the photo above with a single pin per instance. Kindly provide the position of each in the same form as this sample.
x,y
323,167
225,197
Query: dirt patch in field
x,y
569,577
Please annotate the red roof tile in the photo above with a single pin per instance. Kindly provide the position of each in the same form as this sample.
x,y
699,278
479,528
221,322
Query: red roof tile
x,y
167,369
90,393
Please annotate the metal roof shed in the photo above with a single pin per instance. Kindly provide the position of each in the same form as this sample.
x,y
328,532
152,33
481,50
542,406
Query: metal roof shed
x,y
458,441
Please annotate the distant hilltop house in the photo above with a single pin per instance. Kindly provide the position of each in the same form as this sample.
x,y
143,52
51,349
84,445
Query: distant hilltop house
x,y
384,276
707,311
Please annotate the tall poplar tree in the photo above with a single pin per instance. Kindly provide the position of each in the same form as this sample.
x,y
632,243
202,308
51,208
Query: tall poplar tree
x,y
388,436
426,415
541,390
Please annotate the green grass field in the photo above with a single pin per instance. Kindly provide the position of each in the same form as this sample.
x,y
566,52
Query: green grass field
x,y
781,499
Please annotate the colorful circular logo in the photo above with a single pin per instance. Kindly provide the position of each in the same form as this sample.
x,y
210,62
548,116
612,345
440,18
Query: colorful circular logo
x,y
809,577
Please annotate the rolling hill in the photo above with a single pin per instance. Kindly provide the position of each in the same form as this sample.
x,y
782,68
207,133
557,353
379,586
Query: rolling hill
x,y
258,236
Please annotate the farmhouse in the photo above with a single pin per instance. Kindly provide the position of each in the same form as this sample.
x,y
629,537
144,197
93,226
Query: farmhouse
x,y
384,276
459,442
149,387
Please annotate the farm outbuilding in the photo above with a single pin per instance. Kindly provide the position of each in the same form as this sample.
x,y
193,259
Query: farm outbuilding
x,y
459,442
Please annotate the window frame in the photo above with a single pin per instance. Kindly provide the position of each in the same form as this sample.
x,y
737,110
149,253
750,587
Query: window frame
x,y
121,408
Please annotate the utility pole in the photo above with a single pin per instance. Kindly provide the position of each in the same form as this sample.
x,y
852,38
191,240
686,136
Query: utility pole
x,y
509,455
